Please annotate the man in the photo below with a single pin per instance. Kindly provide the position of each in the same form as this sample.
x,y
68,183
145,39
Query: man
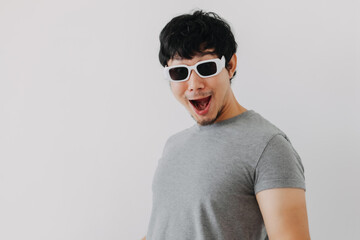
x,y
232,175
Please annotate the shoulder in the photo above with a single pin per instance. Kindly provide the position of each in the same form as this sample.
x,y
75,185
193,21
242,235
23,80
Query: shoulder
x,y
255,131
261,125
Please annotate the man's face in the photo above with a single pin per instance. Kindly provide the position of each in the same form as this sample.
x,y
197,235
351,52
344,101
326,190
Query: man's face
x,y
206,99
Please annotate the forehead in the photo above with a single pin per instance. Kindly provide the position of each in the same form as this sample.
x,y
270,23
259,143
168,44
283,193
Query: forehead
x,y
177,60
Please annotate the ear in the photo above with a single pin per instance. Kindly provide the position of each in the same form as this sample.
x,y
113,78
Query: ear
x,y
231,67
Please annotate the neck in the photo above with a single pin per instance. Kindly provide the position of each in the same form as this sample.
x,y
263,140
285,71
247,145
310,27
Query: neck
x,y
231,108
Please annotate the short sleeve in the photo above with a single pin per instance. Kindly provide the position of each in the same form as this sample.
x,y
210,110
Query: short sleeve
x,y
279,166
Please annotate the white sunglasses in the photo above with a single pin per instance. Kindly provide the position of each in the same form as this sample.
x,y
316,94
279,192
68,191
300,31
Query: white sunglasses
x,y
204,69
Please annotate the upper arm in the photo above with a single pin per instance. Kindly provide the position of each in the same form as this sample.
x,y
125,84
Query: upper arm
x,y
279,166
284,213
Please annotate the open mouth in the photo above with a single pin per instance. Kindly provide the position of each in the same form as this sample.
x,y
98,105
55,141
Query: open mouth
x,y
201,104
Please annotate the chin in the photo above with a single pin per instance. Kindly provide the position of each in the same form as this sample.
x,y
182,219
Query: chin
x,y
204,121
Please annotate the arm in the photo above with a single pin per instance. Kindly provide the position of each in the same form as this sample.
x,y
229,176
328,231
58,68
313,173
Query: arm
x,y
284,213
144,238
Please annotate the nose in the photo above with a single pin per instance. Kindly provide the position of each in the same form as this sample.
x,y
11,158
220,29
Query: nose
x,y
195,82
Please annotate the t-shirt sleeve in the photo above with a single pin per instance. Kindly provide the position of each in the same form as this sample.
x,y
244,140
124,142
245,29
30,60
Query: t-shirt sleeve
x,y
279,166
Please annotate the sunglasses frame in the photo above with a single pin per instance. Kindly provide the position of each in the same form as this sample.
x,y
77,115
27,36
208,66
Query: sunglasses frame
x,y
220,64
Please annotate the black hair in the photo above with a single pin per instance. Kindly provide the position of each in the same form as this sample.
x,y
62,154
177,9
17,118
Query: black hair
x,y
189,34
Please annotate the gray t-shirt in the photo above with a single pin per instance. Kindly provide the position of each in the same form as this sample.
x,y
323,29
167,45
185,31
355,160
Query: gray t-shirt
x,y
205,183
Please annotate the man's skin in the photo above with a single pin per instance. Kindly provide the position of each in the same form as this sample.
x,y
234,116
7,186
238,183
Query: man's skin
x,y
283,209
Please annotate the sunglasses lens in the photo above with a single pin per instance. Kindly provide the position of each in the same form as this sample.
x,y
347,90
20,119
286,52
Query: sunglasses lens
x,y
207,69
178,73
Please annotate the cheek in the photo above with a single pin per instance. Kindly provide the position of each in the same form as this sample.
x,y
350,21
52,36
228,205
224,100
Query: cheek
x,y
223,83
178,90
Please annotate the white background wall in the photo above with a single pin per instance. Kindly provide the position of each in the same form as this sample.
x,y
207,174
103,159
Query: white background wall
x,y
85,111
